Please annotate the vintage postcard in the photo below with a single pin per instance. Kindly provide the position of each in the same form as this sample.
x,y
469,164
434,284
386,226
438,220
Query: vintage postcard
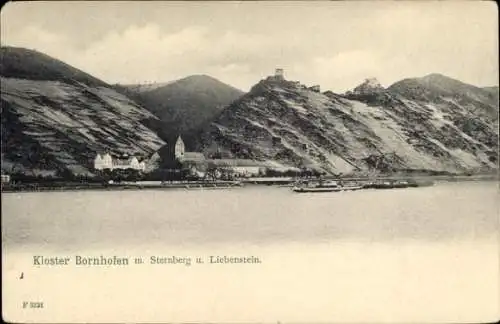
x,y
250,162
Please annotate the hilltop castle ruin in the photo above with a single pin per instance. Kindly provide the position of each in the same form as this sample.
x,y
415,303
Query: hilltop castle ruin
x,y
279,76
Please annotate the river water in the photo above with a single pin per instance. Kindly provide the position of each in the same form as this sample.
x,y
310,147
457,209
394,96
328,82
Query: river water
x,y
404,255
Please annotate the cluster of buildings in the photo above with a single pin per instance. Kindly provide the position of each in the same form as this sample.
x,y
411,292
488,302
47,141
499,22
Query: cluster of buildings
x,y
194,161
176,157
184,157
198,164
106,161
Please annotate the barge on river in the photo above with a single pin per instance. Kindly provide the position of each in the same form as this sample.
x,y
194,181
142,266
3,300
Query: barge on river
x,y
396,184
324,186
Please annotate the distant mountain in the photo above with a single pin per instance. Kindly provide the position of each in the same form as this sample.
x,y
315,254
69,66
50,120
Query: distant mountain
x,y
55,118
185,105
433,123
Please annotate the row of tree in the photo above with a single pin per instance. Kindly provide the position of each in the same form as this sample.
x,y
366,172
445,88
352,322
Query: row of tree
x,y
268,172
211,173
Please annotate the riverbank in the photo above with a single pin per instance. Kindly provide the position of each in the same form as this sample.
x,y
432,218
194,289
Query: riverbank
x,y
139,185
191,185
289,181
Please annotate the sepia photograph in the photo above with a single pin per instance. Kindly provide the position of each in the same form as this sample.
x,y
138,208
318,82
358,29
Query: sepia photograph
x,y
250,162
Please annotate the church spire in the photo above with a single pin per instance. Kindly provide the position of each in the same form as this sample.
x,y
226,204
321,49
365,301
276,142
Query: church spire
x,y
179,148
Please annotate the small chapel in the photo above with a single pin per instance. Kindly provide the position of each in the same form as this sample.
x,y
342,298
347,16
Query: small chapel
x,y
174,156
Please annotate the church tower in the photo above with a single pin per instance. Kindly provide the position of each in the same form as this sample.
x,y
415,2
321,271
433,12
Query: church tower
x,y
179,149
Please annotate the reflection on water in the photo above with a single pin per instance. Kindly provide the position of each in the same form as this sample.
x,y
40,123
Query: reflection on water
x,y
255,215
414,255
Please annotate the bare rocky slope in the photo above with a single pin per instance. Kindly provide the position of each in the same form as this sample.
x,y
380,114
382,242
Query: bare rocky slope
x,y
55,118
433,123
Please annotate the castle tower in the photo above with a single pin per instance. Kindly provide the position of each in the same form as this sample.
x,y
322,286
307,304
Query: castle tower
x,y
279,74
179,148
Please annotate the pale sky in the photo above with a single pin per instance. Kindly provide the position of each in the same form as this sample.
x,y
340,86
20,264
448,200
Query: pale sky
x,y
334,44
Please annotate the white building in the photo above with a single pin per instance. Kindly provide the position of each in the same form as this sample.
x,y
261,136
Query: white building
x,y
107,162
247,171
103,162
5,178
239,167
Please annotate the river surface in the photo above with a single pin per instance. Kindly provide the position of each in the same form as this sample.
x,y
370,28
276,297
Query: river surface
x,y
403,255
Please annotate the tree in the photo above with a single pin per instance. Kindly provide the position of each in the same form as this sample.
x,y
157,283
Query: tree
x,y
227,174
66,174
213,172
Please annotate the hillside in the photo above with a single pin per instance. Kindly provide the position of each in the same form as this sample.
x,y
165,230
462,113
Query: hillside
x,y
185,105
438,88
414,125
28,64
494,91
55,117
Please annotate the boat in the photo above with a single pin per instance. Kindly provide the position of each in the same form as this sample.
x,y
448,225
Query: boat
x,y
344,188
323,186
396,184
